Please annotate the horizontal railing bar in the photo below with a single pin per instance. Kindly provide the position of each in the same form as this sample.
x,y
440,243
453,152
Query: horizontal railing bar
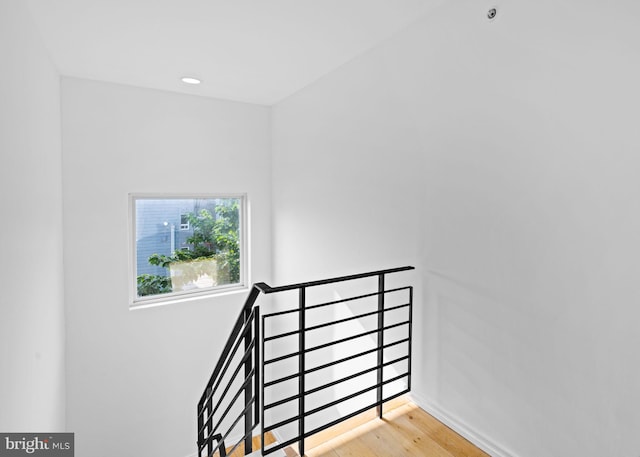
x,y
246,381
333,383
281,335
336,362
332,343
281,402
284,444
282,357
360,335
269,290
333,403
281,423
336,302
338,420
347,319
396,395
283,379
339,321
355,356
279,446
350,415
280,313
355,375
245,356
353,395
348,299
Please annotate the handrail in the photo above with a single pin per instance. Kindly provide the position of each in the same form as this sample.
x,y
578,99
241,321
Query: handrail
x,y
265,288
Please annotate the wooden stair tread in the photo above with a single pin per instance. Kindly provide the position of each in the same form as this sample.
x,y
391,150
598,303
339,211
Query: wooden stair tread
x,y
269,438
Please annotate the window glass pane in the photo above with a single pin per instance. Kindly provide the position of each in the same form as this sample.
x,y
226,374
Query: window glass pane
x,y
187,245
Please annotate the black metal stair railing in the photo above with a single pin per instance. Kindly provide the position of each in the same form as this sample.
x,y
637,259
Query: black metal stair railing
x,y
305,329
246,397
391,345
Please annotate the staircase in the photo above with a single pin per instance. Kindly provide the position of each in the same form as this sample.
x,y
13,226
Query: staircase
x,y
326,352
256,445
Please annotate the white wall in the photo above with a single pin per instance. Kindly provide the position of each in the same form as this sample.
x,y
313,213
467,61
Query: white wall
x,y
502,158
32,385
134,377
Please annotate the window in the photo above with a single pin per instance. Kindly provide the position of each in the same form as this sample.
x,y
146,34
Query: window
x,y
186,246
184,222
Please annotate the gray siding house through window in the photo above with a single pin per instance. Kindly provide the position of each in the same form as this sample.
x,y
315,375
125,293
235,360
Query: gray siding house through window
x,y
161,228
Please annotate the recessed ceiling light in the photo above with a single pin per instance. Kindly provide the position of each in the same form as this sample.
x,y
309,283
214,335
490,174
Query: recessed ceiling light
x,y
190,80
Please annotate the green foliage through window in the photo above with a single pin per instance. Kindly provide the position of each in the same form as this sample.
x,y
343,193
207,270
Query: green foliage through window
x,y
207,255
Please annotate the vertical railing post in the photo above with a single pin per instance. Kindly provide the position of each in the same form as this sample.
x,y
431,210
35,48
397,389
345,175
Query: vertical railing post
x,y
410,337
248,417
258,367
209,429
200,431
264,357
301,388
380,343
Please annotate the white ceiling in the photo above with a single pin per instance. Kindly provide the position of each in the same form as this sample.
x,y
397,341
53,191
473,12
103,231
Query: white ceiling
x,y
257,51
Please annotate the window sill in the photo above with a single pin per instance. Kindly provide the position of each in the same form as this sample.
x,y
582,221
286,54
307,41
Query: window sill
x,y
138,304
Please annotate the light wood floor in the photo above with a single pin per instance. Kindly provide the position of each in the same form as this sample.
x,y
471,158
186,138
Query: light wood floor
x,y
255,444
406,431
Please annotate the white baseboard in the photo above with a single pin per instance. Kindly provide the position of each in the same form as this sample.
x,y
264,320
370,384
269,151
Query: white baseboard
x,y
478,439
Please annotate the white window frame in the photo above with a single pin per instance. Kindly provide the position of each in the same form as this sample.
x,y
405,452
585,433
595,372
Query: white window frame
x,y
175,297
184,226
